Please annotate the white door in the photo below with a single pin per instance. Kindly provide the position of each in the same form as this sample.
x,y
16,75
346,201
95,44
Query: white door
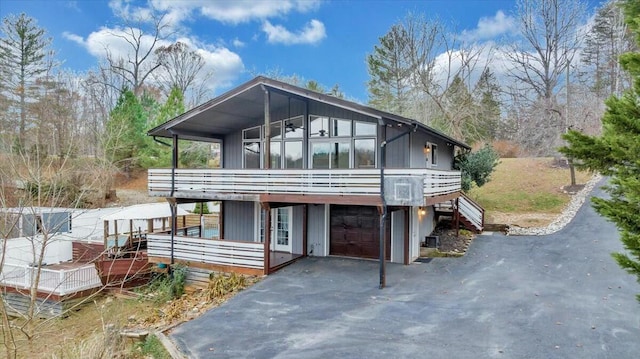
x,y
281,229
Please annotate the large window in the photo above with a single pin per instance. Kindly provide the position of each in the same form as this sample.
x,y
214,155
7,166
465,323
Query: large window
x,y
251,140
286,148
340,143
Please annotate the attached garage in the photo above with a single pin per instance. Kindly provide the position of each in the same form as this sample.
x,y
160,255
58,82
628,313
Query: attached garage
x,y
355,232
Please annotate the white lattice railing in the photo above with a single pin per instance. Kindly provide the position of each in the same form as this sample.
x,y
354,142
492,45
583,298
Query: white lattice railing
x,y
306,182
55,281
227,253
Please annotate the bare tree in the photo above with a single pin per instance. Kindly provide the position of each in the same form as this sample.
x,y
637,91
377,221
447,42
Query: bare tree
x,y
139,62
550,41
182,67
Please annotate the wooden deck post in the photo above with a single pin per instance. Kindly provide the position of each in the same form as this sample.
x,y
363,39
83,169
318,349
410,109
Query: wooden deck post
x,y
106,235
221,221
150,225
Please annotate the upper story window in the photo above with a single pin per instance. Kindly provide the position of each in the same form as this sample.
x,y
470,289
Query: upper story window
x,y
431,154
340,127
251,143
434,154
286,150
344,144
318,126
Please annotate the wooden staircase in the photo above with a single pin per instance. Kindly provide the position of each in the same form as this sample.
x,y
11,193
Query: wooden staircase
x,y
470,213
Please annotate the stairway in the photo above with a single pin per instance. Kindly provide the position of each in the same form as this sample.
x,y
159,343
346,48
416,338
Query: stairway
x,y
471,213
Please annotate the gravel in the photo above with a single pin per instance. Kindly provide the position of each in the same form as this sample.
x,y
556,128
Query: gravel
x,y
567,214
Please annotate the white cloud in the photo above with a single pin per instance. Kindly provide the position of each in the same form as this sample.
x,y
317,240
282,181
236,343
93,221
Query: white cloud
x,y
312,33
491,27
238,43
233,12
222,62
73,37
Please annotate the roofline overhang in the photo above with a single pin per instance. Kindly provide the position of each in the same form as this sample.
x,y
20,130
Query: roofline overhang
x,y
285,89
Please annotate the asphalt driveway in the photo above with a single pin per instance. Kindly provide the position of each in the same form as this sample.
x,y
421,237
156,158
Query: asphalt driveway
x,y
558,296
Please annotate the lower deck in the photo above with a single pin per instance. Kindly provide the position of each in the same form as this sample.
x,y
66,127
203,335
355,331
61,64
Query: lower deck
x,y
259,238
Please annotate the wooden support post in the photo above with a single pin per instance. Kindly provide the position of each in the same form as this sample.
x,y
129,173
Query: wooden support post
x,y
457,215
106,235
221,221
150,225
130,231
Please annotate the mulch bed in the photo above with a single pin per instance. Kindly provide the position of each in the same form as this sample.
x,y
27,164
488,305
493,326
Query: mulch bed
x,y
450,244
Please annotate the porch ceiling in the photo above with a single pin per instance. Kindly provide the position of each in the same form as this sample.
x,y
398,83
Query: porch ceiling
x,y
228,114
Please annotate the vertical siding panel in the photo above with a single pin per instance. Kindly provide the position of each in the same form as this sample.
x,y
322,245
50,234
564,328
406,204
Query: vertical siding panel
x,y
397,236
398,150
239,221
316,230
232,150
296,235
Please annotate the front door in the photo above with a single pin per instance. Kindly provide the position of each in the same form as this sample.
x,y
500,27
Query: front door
x,y
281,229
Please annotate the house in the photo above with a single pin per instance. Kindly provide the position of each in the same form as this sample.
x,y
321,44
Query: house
x,y
302,176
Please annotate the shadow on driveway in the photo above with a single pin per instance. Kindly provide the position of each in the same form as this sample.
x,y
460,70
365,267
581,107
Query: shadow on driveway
x,y
558,296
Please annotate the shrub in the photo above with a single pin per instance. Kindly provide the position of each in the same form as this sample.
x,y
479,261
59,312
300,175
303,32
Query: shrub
x,y
477,166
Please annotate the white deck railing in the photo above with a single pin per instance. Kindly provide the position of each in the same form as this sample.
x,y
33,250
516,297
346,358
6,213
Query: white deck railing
x,y
55,281
303,182
472,211
210,251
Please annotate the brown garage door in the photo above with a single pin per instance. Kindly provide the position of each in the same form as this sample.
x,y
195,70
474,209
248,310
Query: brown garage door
x,y
355,232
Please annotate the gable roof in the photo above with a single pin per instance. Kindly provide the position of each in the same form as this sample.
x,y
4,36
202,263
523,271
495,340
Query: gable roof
x,y
239,107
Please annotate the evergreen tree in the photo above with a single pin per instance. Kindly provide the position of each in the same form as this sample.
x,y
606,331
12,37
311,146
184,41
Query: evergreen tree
x,y
125,132
487,93
476,167
23,60
606,40
616,153
389,72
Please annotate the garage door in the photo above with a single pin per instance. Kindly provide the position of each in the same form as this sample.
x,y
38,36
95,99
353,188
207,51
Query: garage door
x,y
355,232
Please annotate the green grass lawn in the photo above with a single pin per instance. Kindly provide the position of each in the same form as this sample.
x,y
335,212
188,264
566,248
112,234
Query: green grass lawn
x,y
526,190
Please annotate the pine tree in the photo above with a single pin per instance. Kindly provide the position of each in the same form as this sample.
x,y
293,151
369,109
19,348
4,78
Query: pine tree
x,y
23,51
125,132
389,72
616,153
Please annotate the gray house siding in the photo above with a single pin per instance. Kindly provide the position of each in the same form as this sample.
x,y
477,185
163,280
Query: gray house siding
x,y
316,230
426,224
232,151
397,236
398,150
239,221
418,158
296,236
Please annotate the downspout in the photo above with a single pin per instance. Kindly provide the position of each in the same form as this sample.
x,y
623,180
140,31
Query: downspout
x,y
383,217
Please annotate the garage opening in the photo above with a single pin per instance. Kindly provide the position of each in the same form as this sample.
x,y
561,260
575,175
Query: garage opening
x,y
355,232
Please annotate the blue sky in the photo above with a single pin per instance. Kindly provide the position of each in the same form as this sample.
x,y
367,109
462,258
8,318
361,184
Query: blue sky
x,y
326,41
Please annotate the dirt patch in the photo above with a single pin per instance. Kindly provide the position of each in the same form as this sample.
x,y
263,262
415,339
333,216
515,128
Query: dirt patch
x,y
521,219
